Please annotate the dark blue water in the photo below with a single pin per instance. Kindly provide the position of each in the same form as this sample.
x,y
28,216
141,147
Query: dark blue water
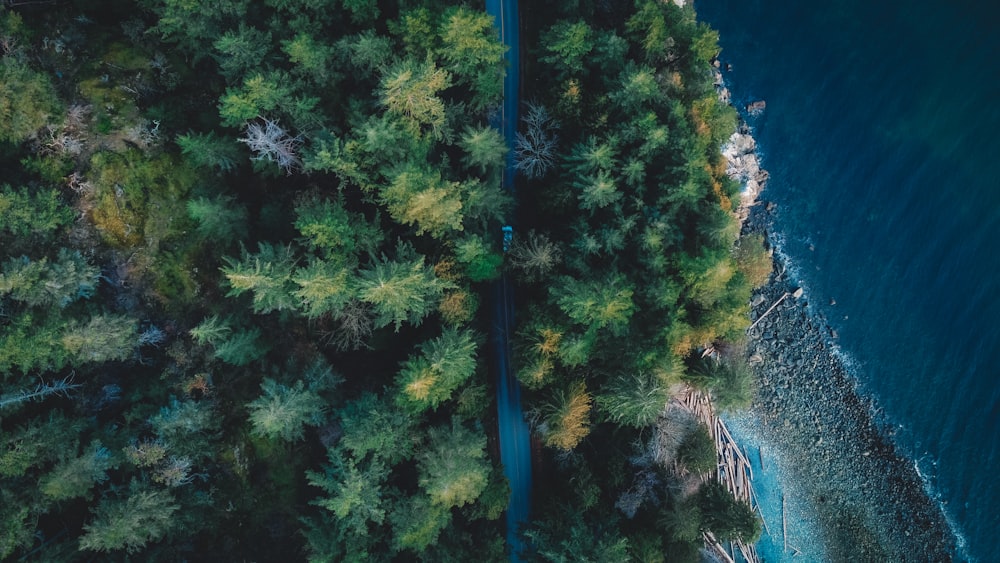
x,y
882,136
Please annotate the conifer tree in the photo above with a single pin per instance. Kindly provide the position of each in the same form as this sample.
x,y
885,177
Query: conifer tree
x,y
445,362
283,412
400,290
453,468
143,516
104,338
74,477
565,418
27,101
220,219
267,274
375,426
209,150
410,90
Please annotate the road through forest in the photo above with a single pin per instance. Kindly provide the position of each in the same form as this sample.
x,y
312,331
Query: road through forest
x,y
515,440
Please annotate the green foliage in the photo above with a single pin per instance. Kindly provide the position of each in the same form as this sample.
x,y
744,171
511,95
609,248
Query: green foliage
x,y
103,338
596,303
697,451
241,348
484,149
417,522
567,45
634,400
400,290
753,259
565,417
211,330
209,150
423,199
571,540
180,423
194,26
240,51
129,523
727,518
328,227
355,491
17,524
267,274
76,476
729,380
376,426
34,214
311,57
481,262
41,283
682,521
32,341
283,412
259,95
453,467
409,90
445,362
220,219
324,287
470,48
366,52
27,101
138,198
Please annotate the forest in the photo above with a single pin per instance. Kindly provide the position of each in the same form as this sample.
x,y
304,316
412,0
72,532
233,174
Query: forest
x,y
246,250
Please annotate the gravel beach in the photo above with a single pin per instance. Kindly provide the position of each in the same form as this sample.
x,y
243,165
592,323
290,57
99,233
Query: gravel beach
x,y
870,502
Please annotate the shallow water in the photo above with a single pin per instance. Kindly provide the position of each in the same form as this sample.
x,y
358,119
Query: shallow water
x,y
880,136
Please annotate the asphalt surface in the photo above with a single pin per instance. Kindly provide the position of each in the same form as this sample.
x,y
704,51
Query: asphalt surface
x,y
515,439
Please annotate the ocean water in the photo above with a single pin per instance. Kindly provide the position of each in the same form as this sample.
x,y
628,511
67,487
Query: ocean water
x,y
882,136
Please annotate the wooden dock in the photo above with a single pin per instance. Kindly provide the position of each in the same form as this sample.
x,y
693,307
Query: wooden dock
x,y
734,470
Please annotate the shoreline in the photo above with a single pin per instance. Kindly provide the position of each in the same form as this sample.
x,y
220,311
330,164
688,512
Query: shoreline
x,y
870,500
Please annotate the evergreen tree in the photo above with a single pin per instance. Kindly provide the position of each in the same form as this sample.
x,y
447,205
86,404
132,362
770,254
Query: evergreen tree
x,y
27,101
240,51
410,90
211,330
104,338
470,48
32,214
355,491
453,468
421,198
417,523
324,287
242,347
267,274
144,515
220,219
484,149
209,150
445,362
75,477
400,290
377,427
283,412
596,304
565,418
634,400
567,45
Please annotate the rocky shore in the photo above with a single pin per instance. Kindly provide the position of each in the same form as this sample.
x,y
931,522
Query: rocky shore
x,y
869,500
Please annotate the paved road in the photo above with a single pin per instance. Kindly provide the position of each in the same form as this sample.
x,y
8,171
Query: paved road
x,y
515,440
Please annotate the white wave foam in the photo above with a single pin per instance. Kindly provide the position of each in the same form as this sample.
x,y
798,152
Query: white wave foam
x,y
854,367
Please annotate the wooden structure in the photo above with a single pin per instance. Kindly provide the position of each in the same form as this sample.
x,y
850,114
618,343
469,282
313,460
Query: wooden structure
x,y
734,470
